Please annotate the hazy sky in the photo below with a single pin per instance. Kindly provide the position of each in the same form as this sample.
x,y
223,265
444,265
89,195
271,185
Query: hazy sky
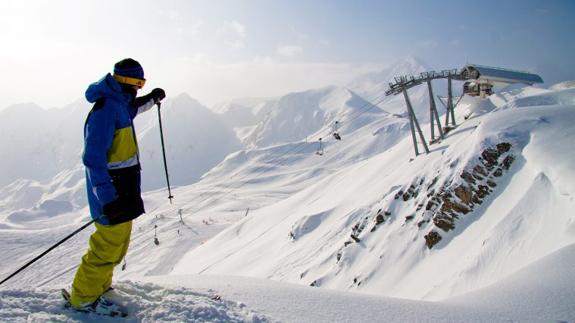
x,y
218,50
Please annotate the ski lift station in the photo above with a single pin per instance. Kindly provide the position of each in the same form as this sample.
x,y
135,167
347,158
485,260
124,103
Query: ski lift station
x,y
479,81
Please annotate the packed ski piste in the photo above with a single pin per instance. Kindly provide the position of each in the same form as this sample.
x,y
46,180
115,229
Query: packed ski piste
x,y
338,204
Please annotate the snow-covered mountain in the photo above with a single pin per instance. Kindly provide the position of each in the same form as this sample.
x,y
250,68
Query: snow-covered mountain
x,y
244,115
37,143
491,198
196,140
46,153
372,86
469,226
299,115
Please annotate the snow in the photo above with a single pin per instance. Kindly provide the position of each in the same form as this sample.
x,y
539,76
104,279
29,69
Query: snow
x,y
540,292
286,241
143,301
196,140
259,216
524,297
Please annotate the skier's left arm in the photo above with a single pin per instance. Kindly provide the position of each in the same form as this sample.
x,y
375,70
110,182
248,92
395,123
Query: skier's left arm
x,y
146,102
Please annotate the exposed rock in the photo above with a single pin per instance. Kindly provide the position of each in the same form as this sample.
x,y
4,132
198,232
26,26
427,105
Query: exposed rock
x,y
444,222
482,191
508,161
412,191
480,170
449,204
503,147
430,204
464,193
498,172
433,182
456,197
467,177
490,156
432,238
406,196
477,177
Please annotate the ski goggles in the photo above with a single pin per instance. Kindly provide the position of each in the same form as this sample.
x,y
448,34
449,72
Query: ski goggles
x,y
130,80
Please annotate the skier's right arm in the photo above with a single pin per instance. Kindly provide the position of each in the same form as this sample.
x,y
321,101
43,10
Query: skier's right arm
x,y
98,137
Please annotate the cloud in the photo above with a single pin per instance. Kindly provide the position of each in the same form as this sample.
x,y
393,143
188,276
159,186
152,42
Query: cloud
x,y
298,34
233,34
213,82
289,50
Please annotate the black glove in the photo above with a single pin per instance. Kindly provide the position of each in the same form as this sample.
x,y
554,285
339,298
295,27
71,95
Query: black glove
x,y
114,210
158,94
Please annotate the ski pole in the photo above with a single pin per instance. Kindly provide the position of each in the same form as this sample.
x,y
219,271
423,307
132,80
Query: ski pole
x,y
170,196
49,249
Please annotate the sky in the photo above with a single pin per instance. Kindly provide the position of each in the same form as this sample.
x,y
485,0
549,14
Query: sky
x,y
219,50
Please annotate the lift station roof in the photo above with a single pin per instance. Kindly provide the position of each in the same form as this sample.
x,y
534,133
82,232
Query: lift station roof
x,y
495,74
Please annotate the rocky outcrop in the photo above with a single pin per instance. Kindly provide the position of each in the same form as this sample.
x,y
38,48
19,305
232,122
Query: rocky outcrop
x,y
432,238
455,200
443,205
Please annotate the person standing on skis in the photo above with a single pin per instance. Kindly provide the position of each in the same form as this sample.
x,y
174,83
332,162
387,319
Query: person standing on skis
x,y
112,179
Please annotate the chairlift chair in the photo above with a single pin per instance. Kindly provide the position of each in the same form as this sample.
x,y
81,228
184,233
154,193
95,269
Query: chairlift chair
x,y
336,131
319,151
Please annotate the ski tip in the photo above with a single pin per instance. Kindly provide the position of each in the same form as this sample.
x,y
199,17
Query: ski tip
x,y
65,294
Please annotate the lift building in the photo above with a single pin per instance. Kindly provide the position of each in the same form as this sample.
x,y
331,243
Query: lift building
x,y
481,79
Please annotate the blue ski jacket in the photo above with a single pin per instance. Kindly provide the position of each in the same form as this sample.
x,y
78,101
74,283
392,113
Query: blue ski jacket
x,y
111,150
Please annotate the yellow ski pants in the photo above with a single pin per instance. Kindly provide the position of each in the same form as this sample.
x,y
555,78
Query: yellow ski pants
x,y
108,246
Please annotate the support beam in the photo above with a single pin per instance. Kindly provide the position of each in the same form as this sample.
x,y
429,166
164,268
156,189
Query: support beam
x,y
413,120
450,108
433,114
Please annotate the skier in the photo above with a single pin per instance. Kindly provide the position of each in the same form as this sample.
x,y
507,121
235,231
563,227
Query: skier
x,y
112,181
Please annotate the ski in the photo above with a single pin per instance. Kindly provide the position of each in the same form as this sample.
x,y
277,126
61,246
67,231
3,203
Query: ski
x,y
92,309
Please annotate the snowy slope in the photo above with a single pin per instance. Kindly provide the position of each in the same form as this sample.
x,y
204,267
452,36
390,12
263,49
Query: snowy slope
x,y
307,238
244,116
488,209
242,112
299,115
542,292
266,175
196,140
